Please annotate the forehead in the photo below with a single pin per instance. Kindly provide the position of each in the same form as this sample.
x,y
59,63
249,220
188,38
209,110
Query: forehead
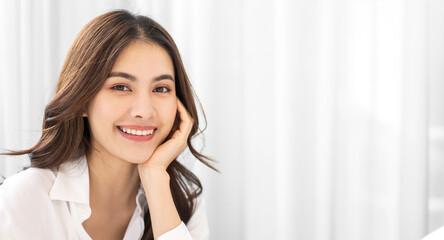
x,y
142,58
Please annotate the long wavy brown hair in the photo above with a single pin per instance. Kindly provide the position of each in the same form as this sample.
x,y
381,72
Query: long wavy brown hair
x,y
89,61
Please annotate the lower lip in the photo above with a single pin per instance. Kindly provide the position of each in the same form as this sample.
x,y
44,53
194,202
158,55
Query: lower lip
x,y
136,137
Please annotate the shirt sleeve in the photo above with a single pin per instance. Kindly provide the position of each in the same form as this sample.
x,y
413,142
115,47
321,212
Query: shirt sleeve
x,y
196,228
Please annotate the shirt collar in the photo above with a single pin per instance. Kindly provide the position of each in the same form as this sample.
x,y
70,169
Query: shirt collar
x,y
72,185
72,182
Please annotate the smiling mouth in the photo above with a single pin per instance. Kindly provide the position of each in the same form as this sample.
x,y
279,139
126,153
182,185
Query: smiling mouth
x,y
137,132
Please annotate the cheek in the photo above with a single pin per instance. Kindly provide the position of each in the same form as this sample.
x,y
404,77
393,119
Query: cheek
x,y
168,112
101,110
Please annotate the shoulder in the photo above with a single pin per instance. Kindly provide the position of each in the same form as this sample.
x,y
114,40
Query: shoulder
x,y
25,194
27,183
435,235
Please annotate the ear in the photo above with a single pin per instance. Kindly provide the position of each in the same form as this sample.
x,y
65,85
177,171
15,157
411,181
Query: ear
x,y
84,112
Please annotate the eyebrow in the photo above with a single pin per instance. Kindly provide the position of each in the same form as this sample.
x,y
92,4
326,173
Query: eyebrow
x,y
133,79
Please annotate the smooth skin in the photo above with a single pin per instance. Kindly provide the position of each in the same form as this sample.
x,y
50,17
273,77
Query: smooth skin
x,y
117,165
155,179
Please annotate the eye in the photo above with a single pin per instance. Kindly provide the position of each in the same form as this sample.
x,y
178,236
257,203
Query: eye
x,y
162,89
120,88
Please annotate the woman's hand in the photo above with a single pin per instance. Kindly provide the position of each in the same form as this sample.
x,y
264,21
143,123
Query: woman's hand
x,y
168,151
156,181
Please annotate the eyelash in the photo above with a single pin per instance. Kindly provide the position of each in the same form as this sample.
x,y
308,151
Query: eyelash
x,y
119,88
166,90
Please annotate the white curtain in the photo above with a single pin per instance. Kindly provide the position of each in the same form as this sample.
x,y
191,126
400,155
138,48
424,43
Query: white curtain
x,y
326,117
436,115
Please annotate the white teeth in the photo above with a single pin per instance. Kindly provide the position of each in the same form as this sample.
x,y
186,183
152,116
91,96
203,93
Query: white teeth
x,y
137,132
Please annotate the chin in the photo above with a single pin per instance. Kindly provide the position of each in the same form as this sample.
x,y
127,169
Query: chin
x,y
141,158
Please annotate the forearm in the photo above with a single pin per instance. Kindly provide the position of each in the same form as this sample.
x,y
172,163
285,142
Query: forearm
x,y
163,212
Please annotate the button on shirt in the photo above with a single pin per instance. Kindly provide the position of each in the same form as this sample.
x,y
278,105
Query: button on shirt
x,y
44,204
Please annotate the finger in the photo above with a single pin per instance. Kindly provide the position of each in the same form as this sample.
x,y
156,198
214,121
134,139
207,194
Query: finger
x,y
184,115
186,121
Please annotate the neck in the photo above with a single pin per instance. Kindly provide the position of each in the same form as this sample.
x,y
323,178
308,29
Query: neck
x,y
112,181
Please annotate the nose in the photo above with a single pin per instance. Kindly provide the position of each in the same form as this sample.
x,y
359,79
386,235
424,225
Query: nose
x,y
142,107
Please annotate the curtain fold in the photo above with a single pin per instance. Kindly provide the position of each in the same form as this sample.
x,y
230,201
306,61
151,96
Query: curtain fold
x,y
435,60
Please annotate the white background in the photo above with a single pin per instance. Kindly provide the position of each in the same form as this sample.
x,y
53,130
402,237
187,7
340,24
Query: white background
x,y
326,117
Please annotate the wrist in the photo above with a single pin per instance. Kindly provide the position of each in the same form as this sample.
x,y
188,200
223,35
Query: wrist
x,y
153,176
156,173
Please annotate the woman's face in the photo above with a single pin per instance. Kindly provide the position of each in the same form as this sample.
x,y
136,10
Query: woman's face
x,y
135,110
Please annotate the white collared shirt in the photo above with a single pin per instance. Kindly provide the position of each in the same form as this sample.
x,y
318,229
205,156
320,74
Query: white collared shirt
x,y
45,204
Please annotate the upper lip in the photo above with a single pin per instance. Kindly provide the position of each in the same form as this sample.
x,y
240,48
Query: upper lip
x,y
137,127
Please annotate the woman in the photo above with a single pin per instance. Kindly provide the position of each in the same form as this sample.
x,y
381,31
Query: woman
x,y
105,166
